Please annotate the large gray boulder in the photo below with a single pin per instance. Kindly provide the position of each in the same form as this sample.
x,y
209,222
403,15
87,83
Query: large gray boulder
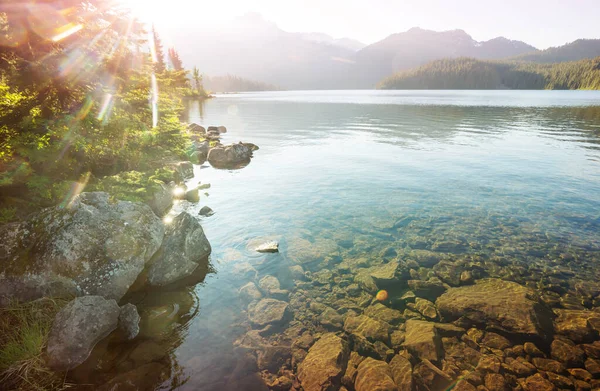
x,y
78,327
498,305
183,250
161,200
231,156
91,246
200,153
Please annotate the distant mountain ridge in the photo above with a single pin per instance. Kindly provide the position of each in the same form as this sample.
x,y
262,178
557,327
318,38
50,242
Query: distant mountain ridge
x,y
253,48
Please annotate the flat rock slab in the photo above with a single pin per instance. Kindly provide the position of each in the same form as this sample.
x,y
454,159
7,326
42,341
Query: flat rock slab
x,y
78,327
324,366
268,247
577,325
422,340
497,304
269,311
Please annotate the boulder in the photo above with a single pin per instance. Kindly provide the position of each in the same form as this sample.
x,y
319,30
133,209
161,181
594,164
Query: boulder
x,y
429,290
374,375
536,383
184,249
567,352
200,152
195,128
250,293
183,171
222,129
380,312
426,308
230,156
161,199
92,246
206,211
77,328
384,275
496,304
269,312
324,366
129,321
422,340
192,195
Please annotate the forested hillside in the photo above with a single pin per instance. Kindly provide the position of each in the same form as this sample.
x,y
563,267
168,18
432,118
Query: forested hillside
x,y
469,73
82,98
574,51
230,83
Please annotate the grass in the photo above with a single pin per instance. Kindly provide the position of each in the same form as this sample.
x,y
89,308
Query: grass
x,y
24,329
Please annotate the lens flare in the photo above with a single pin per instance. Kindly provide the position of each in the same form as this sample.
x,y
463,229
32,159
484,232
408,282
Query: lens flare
x,y
106,108
76,189
179,192
154,101
68,30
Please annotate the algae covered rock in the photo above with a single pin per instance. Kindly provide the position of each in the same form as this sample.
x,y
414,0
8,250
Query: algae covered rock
x,y
78,327
324,366
497,304
184,250
94,245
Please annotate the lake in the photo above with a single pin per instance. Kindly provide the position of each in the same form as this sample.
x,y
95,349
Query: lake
x,y
455,186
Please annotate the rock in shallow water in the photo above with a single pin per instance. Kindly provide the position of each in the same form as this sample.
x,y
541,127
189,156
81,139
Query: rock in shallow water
x,y
206,211
422,340
231,156
184,249
129,321
269,311
497,304
78,327
323,367
268,247
374,375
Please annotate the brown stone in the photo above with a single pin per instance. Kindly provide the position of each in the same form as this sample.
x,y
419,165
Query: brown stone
x,y
537,383
373,330
567,352
489,364
519,366
576,324
495,341
401,372
323,367
545,364
559,380
374,375
495,382
422,339
580,373
593,367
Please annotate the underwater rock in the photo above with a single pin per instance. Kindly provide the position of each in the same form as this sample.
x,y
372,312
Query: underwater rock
x,y
249,293
331,319
536,383
271,358
324,366
302,251
576,324
77,328
425,258
495,382
129,321
206,211
519,366
269,283
385,274
426,308
352,369
567,352
371,329
422,340
429,290
297,272
184,250
90,247
497,304
365,281
146,377
548,365
401,372
374,375
381,312
231,156
269,312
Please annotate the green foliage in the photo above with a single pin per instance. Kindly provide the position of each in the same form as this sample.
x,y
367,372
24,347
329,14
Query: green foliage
x,y
24,329
133,186
468,73
7,214
82,104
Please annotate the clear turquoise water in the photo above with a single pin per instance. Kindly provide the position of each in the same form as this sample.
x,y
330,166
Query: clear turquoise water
x,y
509,176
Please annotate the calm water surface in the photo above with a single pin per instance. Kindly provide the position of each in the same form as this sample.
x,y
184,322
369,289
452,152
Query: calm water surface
x,y
507,176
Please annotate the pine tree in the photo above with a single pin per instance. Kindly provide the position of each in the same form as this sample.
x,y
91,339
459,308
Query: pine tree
x,y
175,60
197,80
159,65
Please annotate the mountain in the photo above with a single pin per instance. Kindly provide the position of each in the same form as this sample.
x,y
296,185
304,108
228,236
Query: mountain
x,y
577,50
347,43
470,73
253,48
417,46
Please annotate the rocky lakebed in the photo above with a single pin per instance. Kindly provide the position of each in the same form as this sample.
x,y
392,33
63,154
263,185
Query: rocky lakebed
x,y
395,306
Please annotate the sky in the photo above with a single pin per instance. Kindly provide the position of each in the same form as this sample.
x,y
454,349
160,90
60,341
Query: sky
x,y
541,23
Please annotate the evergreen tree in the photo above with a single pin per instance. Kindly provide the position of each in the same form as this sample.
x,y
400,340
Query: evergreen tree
x,y
175,60
159,65
197,80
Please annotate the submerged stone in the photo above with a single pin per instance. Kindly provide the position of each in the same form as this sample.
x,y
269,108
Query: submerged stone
x,y
401,369
497,304
374,375
577,325
129,321
324,366
269,312
422,340
373,330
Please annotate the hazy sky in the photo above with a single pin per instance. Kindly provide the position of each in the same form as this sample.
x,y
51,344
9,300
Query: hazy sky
x,y
541,23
